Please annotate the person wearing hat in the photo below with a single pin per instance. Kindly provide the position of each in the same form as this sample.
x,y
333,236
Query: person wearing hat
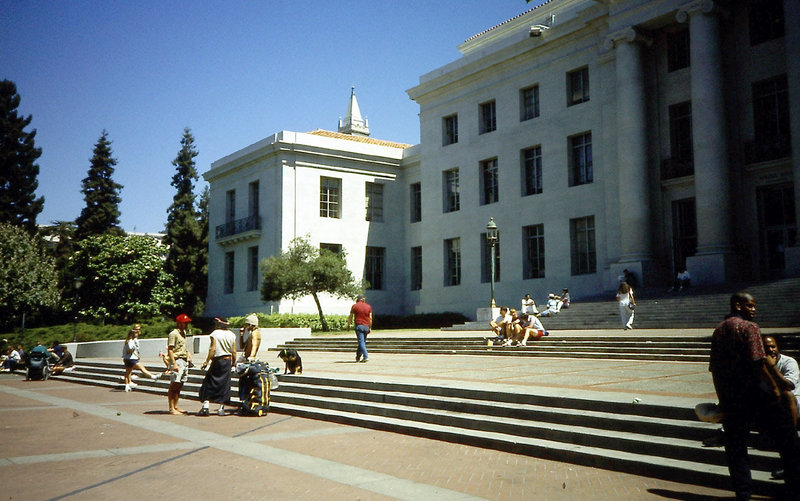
x,y
553,306
361,313
250,338
178,358
216,385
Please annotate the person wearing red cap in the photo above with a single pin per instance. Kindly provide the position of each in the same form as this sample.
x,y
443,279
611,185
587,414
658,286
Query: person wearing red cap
x,y
178,358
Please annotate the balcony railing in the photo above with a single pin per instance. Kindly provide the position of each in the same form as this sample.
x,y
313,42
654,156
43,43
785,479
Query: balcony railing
x,y
763,150
243,225
672,168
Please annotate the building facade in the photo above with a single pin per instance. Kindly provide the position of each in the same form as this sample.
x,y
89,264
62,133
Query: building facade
x,y
647,135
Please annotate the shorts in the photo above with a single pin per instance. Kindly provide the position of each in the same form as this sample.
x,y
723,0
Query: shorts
x,y
182,374
130,362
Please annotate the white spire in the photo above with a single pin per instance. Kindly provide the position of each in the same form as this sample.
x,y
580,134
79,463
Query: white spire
x,y
353,123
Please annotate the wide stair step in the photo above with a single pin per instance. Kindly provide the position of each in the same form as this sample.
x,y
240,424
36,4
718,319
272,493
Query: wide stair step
x,y
656,440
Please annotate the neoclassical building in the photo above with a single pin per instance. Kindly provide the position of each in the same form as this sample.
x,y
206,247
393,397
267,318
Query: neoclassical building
x,y
647,135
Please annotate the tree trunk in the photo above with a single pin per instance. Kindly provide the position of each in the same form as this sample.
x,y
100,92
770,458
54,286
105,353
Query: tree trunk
x,y
321,316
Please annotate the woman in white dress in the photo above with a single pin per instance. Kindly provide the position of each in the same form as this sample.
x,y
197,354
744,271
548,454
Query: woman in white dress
x,y
627,303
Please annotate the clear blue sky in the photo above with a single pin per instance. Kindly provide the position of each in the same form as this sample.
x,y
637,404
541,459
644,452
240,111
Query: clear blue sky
x,y
234,72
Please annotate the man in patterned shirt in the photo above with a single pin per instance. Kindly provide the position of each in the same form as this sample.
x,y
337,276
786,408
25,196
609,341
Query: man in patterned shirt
x,y
748,394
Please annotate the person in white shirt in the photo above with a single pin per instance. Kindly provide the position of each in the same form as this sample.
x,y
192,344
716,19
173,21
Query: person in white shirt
x,y
500,324
553,306
529,305
786,375
216,385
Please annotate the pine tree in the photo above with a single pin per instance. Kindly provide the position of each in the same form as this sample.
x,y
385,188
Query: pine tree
x,y
18,170
187,256
101,193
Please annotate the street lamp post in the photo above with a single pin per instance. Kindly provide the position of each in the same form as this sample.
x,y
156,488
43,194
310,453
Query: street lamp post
x,y
77,283
491,238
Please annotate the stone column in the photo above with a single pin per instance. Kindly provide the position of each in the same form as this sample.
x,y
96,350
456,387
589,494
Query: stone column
x,y
791,14
632,161
713,262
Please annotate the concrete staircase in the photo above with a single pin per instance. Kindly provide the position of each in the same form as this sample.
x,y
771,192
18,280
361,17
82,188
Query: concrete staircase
x,y
663,441
703,306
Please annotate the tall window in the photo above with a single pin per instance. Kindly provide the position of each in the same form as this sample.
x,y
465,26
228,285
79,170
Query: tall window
x,y
416,202
450,130
228,276
581,171
416,268
533,243
373,267
678,50
528,103
771,109
374,199
584,254
329,194
766,20
577,86
252,199
452,259
490,192
252,268
488,121
452,191
532,171
230,206
486,259
680,132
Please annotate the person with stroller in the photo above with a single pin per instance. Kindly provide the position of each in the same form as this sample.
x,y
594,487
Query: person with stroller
x,y
39,362
130,357
216,385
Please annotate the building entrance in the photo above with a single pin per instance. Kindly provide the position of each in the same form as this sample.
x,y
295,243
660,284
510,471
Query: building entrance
x,y
777,227
684,233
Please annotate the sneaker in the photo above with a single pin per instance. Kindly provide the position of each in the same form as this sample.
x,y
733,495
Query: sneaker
x,y
127,387
155,376
133,385
358,358
364,360
221,411
203,411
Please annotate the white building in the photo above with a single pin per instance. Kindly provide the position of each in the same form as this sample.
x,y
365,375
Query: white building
x,y
645,135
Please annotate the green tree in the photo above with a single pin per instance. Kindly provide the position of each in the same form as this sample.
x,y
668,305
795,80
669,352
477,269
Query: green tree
x,y
125,280
187,259
202,217
306,270
27,273
101,193
18,169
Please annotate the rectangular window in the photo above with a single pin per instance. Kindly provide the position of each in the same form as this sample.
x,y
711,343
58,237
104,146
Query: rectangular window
x,y
488,121
486,259
252,199
329,195
374,195
678,50
680,132
531,171
533,244
766,20
416,268
416,202
581,171
335,248
228,278
577,86
452,259
230,206
771,109
452,191
450,130
528,103
584,254
373,267
252,268
490,192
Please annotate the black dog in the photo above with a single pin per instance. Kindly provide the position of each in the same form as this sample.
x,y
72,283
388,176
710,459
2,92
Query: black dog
x,y
294,364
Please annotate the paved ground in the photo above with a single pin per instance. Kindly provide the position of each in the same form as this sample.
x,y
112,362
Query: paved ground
x,y
88,442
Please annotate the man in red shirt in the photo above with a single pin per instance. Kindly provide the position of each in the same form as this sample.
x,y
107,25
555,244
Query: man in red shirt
x,y
748,395
361,312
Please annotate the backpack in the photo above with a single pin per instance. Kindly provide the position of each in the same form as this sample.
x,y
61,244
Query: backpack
x,y
254,386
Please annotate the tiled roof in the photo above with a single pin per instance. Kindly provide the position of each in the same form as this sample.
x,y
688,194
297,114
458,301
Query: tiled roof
x,y
506,21
360,139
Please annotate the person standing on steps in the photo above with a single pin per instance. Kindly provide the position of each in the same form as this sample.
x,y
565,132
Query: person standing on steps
x,y
749,395
178,358
361,313
221,354
626,304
